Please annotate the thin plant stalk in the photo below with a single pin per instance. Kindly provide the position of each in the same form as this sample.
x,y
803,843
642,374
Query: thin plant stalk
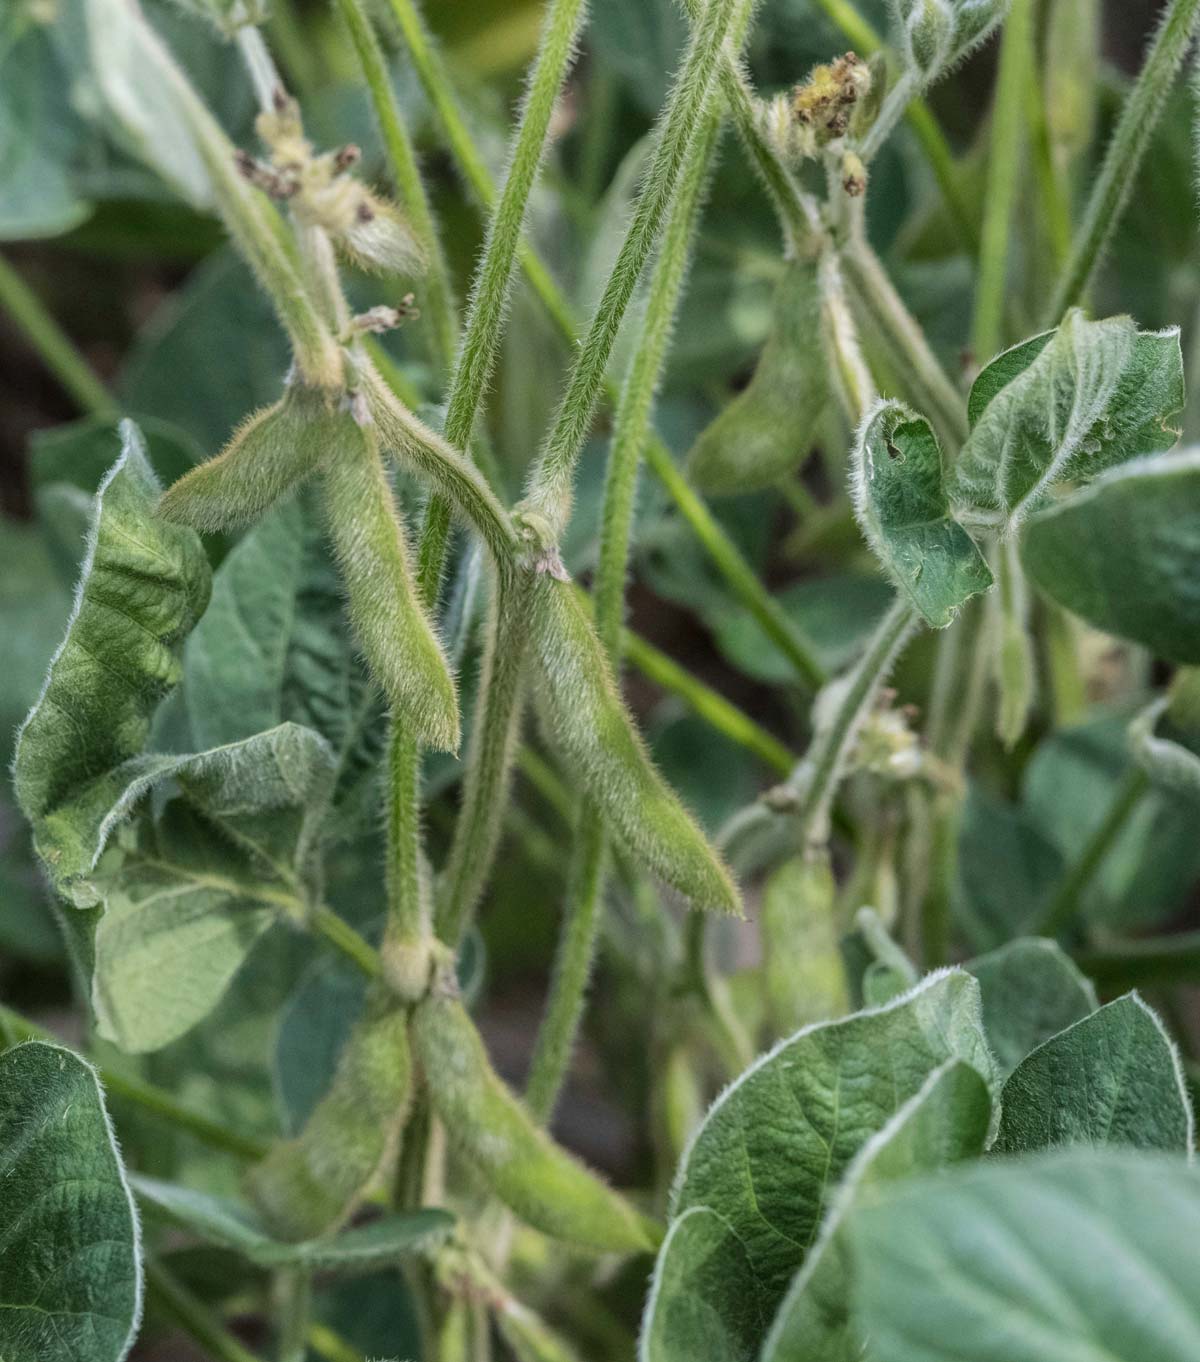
x,y
194,1316
52,344
1118,174
586,881
438,297
1064,906
295,1305
1008,140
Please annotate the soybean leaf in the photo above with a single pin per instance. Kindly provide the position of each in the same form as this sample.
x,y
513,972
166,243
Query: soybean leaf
x,y
234,1225
944,1123
901,503
773,1147
769,428
274,646
188,892
1085,1254
1148,590
144,585
1066,407
703,1299
70,1270
1113,1078
1031,991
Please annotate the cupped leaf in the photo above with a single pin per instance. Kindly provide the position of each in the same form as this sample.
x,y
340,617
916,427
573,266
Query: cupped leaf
x,y
275,646
269,455
1113,1078
393,630
70,1261
235,1225
703,1298
1085,1255
589,723
774,1147
1122,554
143,587
531,1174
946,1122
901,503
768,429
1066,406
310,1185
1031,991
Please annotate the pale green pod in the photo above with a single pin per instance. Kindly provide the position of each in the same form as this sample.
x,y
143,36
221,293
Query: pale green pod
x,y
806,981
589,723
769,429
269,454
392,627
312,1184
535,1178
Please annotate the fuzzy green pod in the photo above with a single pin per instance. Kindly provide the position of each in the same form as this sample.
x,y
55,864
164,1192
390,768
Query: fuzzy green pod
x,y
269,454
311,1185
806,981
542,1183
589,723
392,627
768,430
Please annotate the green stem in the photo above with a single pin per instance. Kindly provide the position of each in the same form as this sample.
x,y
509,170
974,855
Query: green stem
x,y
895,105
816,779
438,298
339,933
194,1316
52,344
865,41
325,1343
151,1099
1119,965
260,66
1016,75
740,576
1065,904
679,142
295,1306
1119,173
706,703
931,390
585,888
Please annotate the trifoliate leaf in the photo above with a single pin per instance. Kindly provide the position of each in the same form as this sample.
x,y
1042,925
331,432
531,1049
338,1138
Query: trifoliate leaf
x,y
901,503
70,1262
1113,1078
1065,406
1122,554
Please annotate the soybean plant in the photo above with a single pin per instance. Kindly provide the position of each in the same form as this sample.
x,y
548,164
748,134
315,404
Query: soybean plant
x,y
335,717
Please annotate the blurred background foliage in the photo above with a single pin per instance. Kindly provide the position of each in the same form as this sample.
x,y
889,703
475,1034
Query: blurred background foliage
x,y
176,334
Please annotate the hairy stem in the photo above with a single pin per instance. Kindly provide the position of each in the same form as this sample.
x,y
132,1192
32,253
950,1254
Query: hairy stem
x,y
678,142
1139,118
52,344
1008,141
437,295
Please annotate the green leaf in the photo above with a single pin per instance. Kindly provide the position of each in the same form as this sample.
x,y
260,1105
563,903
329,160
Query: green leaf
x,y
1066,407
274,646
70,1269
769,428
1146,592
901,503
1113,1078
1031,991
774,1146
187,893
946,1122
704,1297
590,724
143,587
234,1225
1081,1256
